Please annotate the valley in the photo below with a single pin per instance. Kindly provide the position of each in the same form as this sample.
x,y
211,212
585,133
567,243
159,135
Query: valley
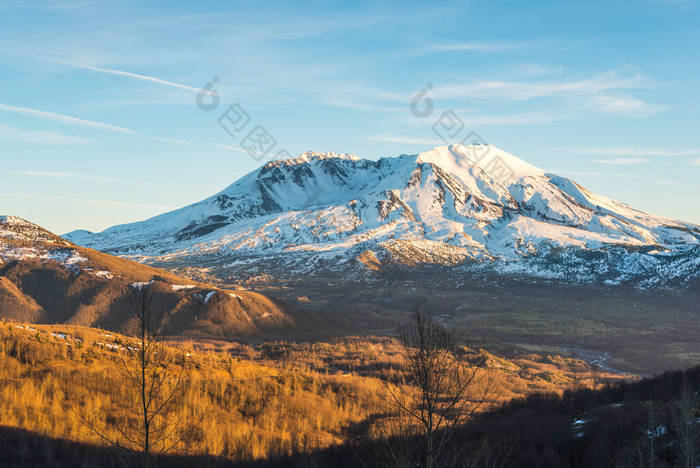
x,y
643,332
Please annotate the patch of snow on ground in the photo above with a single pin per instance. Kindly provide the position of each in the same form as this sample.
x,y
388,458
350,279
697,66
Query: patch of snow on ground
x,y
208,297
68,258
104,274
657,432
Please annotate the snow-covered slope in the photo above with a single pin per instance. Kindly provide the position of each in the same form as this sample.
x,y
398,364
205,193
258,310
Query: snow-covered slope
x,y
12,227
465,206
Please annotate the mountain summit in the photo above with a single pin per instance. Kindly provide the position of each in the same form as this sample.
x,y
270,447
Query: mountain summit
x,y
462,206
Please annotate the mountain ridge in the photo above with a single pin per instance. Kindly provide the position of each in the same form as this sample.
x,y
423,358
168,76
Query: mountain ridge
x,y
488,207
45,279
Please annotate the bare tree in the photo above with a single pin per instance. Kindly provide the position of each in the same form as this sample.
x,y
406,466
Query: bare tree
x,y
152,373
686,425
448,391
644,451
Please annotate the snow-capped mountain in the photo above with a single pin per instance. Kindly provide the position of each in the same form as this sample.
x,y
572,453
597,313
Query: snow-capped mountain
x,y
474,207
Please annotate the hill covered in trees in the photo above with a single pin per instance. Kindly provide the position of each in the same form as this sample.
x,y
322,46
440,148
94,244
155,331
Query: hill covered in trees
x,y
241,404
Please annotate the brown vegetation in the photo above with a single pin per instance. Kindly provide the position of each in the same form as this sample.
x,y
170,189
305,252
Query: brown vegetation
x,y
279,399
94,293
253,411
448,391
152,374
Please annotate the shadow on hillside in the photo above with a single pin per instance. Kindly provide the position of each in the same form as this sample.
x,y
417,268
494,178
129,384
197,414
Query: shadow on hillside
x,y
26,449
22,448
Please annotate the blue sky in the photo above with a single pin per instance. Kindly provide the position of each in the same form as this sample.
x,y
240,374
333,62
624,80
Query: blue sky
x,y
99,123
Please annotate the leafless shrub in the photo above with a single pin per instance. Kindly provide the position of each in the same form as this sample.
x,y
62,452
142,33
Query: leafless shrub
x,y
447,392
152,375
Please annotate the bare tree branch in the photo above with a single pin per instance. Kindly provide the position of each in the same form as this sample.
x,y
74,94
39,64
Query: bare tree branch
x,y
444,385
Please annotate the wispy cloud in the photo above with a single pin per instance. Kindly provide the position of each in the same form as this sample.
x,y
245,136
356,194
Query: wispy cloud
x,y
476,118
625,105
88,201
621,161
110,71
672,183
63,175
67,119
538,69
526,118
237,149
674,2
170,140
601,93
493,46
48,4
695,162
596,174
630,151
525,90
8,133
63,5
406,140
363,107
227,147
618,175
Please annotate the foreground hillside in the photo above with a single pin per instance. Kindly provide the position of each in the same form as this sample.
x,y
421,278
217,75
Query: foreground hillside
x,y
653,422
46,279
239,403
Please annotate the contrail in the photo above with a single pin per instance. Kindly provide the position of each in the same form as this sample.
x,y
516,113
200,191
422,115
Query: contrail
x,y
85,123
110,71
228,147
66,119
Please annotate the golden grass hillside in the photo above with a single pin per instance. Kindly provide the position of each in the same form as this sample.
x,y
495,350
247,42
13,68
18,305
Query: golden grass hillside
x,y
45,279
242,402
